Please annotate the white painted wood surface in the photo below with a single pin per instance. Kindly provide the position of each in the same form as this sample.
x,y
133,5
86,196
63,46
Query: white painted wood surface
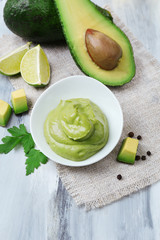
x,y
38,207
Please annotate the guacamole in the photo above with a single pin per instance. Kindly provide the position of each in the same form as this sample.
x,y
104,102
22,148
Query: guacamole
x,y
76,129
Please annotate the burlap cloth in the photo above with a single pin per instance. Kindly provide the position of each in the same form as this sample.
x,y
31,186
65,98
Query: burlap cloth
x,y
97,185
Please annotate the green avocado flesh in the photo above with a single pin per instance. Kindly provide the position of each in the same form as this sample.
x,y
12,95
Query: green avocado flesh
x,y
80,15
76,129
36,20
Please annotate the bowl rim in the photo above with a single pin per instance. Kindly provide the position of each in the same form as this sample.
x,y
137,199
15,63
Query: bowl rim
x,y
71,163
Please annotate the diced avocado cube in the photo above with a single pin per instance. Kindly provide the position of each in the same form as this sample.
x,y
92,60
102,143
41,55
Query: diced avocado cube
x,y
5,113
19,101
128,150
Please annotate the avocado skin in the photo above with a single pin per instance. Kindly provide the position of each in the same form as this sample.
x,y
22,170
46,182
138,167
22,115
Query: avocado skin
x,y
36,20
105,12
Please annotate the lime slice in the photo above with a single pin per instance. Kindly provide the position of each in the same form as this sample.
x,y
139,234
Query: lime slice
x,y
35,68
10,64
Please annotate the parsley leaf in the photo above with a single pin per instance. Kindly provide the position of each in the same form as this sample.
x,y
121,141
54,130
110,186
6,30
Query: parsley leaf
x,y
21,136
34,160
27,143
8,144
18,132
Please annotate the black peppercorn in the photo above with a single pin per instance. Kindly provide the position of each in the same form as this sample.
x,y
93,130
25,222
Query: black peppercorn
x,y
137,158
139,137
143,157
131,134
148,153
119,176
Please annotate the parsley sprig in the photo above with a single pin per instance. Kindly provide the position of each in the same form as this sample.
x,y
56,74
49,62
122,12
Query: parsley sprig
x,y
34,160
21,136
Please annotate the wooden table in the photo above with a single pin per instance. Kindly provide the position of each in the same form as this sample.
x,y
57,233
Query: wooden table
x,y
38,207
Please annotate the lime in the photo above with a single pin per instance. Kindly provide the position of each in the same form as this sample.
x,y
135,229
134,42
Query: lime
x,y
35,68
10,63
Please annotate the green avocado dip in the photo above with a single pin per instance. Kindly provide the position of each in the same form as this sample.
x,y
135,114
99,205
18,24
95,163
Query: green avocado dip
x,y
76,129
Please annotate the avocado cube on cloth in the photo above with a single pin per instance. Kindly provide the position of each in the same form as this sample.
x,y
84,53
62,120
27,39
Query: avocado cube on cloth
x,y
19,101
128,150
5,113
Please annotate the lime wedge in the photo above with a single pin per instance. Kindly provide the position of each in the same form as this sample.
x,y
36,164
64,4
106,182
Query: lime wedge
x,y
10,64
35,68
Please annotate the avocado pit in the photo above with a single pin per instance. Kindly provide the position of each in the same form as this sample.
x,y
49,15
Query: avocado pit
x,y
102,49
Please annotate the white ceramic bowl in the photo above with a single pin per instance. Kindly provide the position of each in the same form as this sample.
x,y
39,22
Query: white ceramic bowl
x,y
77,87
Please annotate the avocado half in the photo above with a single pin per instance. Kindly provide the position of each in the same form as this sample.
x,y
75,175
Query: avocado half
x,y
36,20
79,15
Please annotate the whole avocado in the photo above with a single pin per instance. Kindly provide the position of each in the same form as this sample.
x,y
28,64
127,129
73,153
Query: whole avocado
x,y
36,20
